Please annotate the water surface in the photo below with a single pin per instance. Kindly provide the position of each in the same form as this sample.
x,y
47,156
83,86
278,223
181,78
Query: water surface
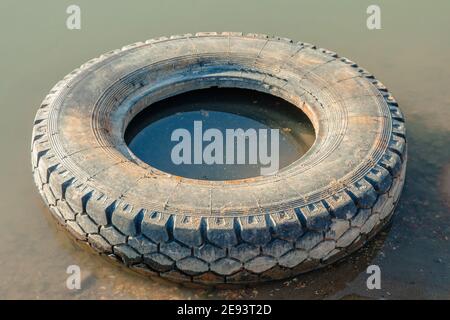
x,y
410,55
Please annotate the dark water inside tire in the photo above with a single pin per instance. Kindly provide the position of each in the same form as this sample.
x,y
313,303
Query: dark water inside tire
x,y
149,133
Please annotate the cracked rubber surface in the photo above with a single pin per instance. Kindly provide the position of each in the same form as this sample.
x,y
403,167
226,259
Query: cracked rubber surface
x,y
317,210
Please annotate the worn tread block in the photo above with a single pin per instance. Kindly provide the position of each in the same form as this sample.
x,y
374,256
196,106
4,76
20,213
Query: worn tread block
x,y
186,229
99,208
49,196
277,248
260,264
309,240
154,226
398,145
142,244
125,218
99,243
48,164
221,232
398,127
242,277
66,210
159,262
315,216
306,266
398,190
128,255
370,223
383,206
76,230
74,195
321,250
356,244
244,252
395,187
112,235
174,250
254,229
392,162
56,213
86,223
341,205
37,180
40,149
396,112
293,258
59,180
348,237
364,194
361,218
209,252
333,256
286,225
225,266
39,132
337,229
380,178
192,265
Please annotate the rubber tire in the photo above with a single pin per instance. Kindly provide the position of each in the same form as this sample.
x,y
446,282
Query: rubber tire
x,y
319,209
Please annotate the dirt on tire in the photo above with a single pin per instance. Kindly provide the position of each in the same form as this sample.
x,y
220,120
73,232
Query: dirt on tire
x,y
317,210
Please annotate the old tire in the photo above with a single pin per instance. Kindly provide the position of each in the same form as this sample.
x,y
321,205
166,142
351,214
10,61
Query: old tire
x,y
313,212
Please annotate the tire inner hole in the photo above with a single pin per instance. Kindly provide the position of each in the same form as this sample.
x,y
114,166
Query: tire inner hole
x,y
149,133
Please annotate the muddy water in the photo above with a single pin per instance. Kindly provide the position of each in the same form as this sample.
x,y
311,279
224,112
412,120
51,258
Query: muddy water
x,y
410,55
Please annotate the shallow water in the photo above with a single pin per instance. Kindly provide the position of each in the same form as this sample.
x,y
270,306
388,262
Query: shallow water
x,y
410,55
